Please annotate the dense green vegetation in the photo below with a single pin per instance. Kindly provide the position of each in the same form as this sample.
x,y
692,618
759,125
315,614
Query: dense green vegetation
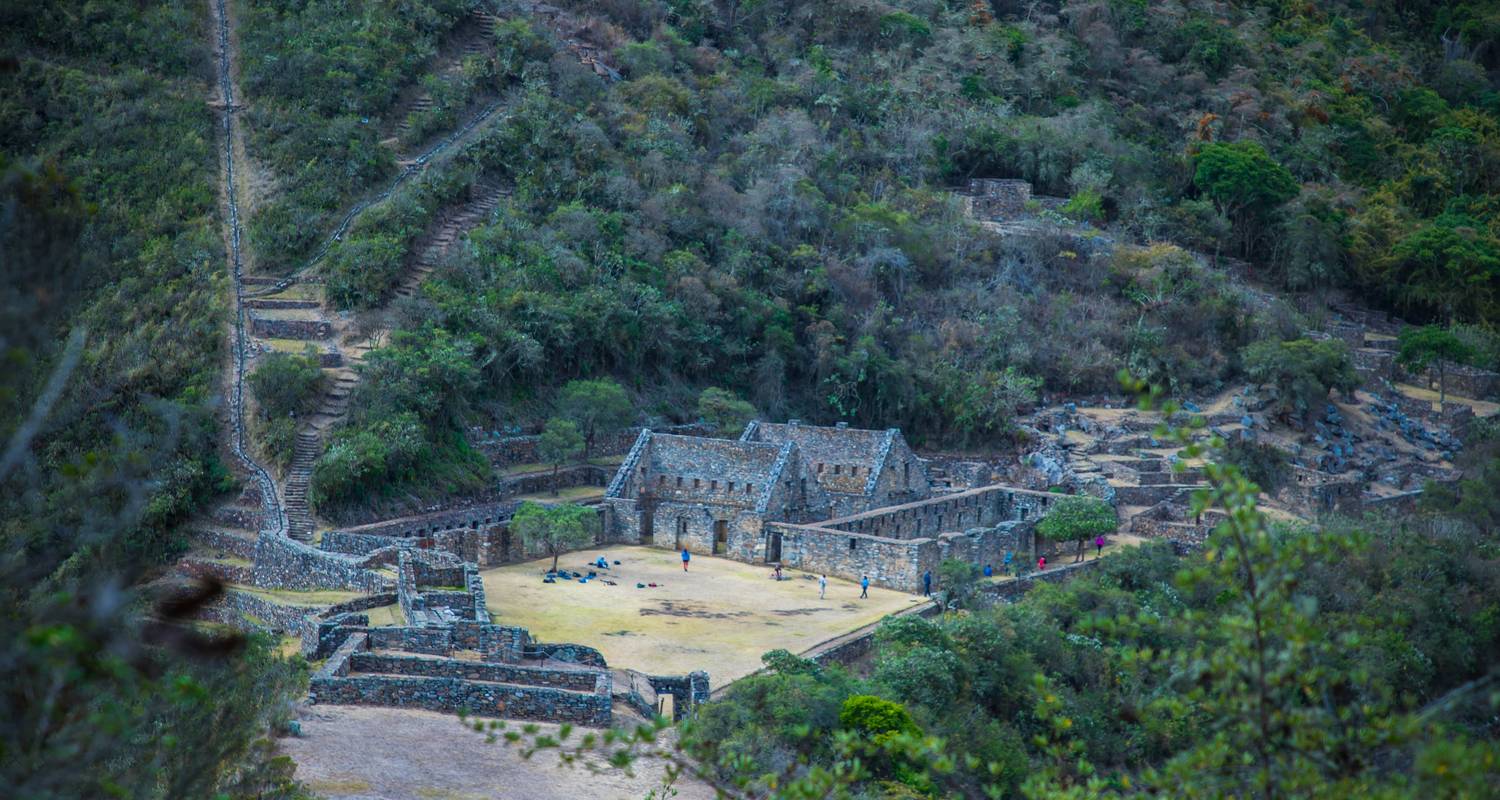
x,y
319,76
287,386
112,321
1350,659
761,203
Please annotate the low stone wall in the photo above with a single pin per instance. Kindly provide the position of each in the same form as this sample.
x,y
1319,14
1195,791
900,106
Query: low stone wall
x,y
290,328
1151,495
262,302
892,563
571,653
850,649
354,544
286,564
508,450
571,680
567,478
1474,383
453,695
217,570
239,546
493,513
323,632
242,609
447,685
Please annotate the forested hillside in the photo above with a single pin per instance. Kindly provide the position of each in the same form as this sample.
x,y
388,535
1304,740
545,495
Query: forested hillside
x,y
112,321
764,197
764,203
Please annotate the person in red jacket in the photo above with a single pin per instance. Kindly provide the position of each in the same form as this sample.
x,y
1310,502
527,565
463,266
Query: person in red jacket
x,y
1041,563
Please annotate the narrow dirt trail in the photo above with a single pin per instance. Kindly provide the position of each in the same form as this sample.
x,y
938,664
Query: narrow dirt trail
x,y
275,520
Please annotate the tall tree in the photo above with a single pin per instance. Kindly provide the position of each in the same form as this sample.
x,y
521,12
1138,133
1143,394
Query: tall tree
x,y
1078,518
560,443
1245,182
1432,346
555,529
594,406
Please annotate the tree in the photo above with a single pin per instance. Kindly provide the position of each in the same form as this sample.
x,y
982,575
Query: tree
x,y
1244,182
286,384
555,529
1077,518
1302,370
1432,345
725,410
1451,267
958,579
595,405
560,443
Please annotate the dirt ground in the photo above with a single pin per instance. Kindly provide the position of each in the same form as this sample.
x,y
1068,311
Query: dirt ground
x,y
365,753
720,616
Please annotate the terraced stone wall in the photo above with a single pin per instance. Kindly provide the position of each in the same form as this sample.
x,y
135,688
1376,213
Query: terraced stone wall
x,y
286,564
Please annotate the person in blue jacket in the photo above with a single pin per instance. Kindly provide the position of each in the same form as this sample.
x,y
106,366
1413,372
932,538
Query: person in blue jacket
x,y
685,557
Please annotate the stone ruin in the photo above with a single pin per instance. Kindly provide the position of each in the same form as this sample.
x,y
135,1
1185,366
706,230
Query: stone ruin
x,y
835,500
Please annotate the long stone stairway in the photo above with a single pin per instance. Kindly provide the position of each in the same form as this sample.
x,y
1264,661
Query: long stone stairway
x,y
485,197
299,517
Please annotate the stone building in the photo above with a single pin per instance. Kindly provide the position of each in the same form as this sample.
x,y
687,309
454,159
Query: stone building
x,y
859,469
710,495
839,500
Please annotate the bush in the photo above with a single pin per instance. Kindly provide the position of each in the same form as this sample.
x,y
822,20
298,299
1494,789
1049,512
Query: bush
x,y
1303,371
287,384
876,717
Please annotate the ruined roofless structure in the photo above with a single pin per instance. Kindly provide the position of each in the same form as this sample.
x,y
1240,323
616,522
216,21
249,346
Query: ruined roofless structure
x,y
839,500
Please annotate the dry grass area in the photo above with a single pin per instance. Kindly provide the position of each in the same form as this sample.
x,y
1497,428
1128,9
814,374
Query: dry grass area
x,y
572,494
720,616
1482,408
386,616
365,753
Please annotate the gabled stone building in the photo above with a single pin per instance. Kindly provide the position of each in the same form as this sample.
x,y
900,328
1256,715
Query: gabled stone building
x,y
710,495
838,500
860,469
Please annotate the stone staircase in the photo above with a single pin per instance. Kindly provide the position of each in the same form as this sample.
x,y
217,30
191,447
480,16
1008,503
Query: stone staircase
x,y
485,197
298,516
473,37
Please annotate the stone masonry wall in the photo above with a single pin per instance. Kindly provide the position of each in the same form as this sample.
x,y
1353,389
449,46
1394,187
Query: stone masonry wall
x,y
287,564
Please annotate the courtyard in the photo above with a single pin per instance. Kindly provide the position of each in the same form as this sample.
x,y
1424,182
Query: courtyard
x,y
720,616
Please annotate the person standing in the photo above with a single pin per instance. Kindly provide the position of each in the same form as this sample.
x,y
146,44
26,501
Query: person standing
x,y
1008,556
927,583
1098,545
1041,562
685,557
822,586
864,587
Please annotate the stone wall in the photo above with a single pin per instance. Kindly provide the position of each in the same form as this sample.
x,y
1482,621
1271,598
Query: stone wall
x,y
290,328
1471,382
572,680
892,563
986,506
287,564
504,451
354,677
999,197
474,517
1010,591
239,546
